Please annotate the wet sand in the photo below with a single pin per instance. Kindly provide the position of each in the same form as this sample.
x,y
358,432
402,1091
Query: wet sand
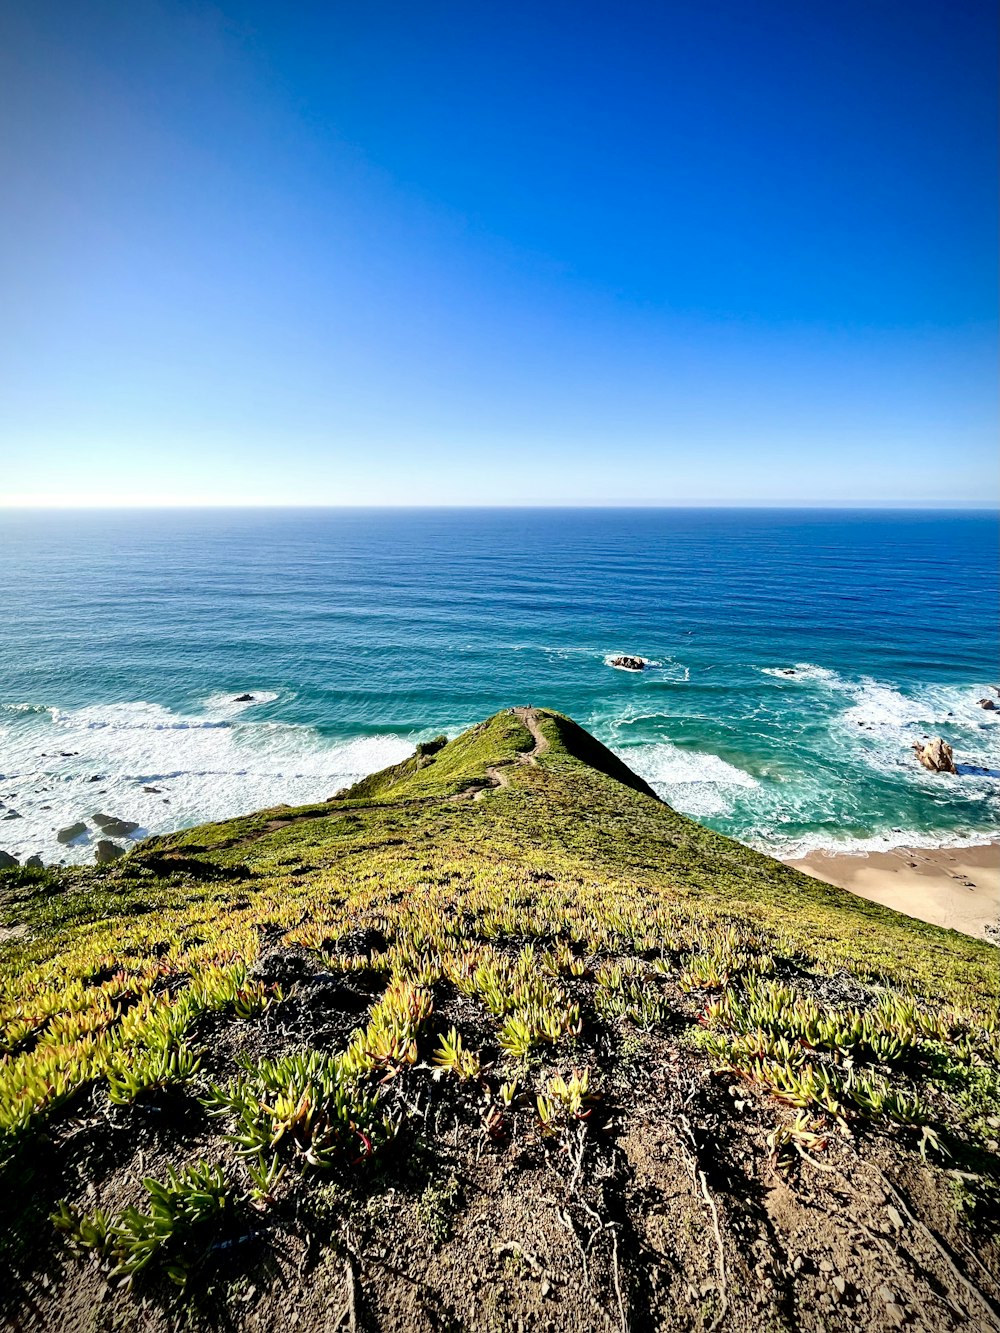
x,y
957,887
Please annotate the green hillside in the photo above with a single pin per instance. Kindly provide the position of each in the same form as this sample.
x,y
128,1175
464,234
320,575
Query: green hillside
x,y
492,1040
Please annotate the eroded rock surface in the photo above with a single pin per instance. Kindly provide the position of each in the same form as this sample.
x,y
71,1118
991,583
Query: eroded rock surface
x,y
937,755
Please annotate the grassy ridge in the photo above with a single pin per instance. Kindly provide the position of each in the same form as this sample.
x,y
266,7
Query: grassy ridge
x,y
284,1006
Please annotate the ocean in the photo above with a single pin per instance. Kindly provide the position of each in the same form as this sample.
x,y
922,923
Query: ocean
x,y
794,659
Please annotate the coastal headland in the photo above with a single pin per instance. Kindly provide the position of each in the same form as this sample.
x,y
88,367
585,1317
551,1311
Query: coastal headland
x,y
495,1040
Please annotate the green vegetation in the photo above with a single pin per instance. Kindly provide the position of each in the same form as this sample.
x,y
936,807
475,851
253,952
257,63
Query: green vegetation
x,y
186,1215
324,1027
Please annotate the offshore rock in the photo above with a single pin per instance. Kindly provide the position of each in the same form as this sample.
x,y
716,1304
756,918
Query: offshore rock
x,y
937,755
113,826
243,699
34,863
71,832
988,704
8,862
107,851
629,663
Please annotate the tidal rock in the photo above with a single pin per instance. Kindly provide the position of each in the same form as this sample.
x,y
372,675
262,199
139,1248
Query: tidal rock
x,y
243,699
71,832
988,704
34,863
629,663
152,790
12,814
937,755
107,851
8,862
113,826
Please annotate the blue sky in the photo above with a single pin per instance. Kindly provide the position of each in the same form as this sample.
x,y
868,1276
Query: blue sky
x,y
392,253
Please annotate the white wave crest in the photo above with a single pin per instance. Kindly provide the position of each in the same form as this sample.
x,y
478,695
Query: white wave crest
x,y
696,784
801,671
880,705
880,723
231,705
165,770
794,849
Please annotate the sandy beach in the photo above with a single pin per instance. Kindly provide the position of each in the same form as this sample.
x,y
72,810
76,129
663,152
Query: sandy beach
x,y
957,887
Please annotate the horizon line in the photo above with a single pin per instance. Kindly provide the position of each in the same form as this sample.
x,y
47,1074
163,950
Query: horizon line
x,y
963,506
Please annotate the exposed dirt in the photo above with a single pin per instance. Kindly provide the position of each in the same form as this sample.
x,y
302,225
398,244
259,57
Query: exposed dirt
x,y
663,1209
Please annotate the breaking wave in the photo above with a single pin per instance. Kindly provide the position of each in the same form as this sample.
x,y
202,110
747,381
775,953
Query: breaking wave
x,y
700,785
144,762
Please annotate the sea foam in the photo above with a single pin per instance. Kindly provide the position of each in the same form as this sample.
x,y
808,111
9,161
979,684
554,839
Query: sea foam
x,y
62,765
694,783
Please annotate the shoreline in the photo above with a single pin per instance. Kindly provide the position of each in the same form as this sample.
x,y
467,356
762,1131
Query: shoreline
x,y
954,887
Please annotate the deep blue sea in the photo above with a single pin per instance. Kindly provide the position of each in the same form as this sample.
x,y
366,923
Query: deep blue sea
x,y
124,637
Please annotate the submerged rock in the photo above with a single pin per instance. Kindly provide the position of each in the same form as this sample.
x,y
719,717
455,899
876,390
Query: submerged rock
x,y
12,814
629,663
937,755
71,832
8,862
243,699
107,851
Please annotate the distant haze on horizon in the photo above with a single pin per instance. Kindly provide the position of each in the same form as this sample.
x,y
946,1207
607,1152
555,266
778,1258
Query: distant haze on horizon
x,y
385,255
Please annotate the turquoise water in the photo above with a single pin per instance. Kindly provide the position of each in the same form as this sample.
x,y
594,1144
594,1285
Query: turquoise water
x,y
124,637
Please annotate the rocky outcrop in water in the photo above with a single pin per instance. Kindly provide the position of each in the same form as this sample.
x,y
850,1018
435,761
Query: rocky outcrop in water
x,y
629,663
936,755
113,826
71,832
8,862
107,851
988,704
243,699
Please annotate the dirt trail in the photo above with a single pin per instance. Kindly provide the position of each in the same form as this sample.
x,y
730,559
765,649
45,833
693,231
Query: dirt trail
x,y
498,776
530,719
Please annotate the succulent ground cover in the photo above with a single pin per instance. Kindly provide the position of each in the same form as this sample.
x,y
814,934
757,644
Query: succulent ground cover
x,y
493,1040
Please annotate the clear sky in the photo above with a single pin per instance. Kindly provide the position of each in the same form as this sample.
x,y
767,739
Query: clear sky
x,y
457,251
